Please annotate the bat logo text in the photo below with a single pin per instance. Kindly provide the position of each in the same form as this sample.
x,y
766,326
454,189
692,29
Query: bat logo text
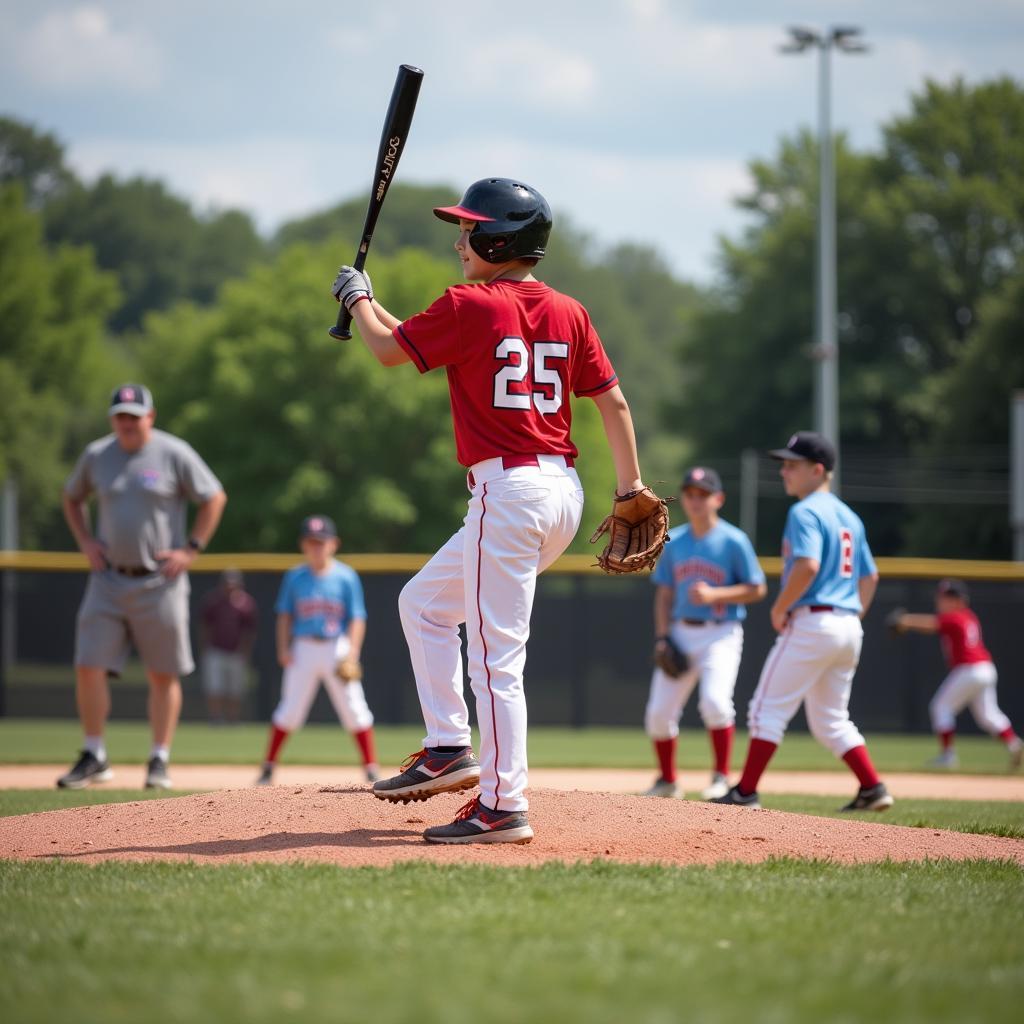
x,y
389,165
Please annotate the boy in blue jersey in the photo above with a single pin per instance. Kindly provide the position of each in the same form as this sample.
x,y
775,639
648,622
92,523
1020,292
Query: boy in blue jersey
x,y
321,625
706,574
828,582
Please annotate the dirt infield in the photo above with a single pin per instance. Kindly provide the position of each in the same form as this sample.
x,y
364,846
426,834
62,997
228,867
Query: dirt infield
x,y
348,827
839,783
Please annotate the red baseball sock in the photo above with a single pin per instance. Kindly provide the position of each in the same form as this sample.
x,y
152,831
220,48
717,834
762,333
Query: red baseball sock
x,y
277,738
859,761
759,753
946,739
365,741
721,744
666,751
1008,735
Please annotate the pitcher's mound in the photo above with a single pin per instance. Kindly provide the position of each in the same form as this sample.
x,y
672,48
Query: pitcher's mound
x,y
349,827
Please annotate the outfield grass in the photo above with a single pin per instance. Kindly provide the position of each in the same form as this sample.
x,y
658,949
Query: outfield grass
x,y
784,941
991,817
43,741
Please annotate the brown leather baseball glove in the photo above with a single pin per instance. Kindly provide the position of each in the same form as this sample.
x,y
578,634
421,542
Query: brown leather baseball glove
x,y
672,660
348,670
637,529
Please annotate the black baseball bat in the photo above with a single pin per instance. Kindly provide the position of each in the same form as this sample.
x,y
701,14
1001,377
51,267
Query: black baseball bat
x,y
392,143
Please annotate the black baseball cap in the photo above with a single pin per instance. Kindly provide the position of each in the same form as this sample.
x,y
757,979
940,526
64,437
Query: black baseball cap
x,y
953,588
807,445
133,399
703,478
318,528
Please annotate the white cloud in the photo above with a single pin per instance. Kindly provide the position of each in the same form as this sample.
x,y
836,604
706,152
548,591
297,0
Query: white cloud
x,y
79,47
531,70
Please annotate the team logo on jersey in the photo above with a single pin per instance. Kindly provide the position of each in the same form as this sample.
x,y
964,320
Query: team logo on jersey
x,y
149,478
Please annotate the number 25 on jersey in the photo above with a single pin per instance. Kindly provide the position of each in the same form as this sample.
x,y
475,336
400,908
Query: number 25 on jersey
x,y
523,381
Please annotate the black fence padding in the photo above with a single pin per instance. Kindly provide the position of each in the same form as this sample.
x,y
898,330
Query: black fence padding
x,y
589,655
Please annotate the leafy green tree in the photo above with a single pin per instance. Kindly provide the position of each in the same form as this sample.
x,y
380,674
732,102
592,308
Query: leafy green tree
x,y
972,417
56,370
33,158
926,228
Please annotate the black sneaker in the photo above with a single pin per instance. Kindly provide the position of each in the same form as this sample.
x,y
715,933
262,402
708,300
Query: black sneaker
x,y
476,823
156,774
427,773
85,771
873,798
734,796
266,776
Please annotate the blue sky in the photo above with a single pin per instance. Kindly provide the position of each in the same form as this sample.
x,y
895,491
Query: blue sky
x,y
635,117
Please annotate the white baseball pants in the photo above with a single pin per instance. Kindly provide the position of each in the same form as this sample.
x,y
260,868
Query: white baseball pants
x,y
715,652
812,661
313,663
518,522
968,685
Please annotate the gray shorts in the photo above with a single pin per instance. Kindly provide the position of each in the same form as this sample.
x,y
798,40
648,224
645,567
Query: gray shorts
x,y
150,613
225,673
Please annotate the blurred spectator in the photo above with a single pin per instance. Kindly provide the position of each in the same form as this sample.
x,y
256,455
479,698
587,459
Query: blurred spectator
x,y
227,630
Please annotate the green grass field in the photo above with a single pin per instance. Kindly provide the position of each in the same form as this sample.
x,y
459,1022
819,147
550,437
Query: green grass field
x,y
41,741
784,941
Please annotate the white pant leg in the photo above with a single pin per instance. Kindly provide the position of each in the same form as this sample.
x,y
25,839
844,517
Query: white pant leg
x,y
801,653
348,699
827,702
984,707
518,523
719,664
299,684
665,703
431,606
962,686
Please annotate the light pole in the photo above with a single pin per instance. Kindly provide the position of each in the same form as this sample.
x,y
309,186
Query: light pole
x,y
826,346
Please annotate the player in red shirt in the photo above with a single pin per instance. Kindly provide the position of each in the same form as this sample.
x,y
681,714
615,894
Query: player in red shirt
x,y
972,676
514,351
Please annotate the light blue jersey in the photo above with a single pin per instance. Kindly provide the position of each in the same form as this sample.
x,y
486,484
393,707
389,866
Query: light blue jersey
x,y
722,557
823,528
321,606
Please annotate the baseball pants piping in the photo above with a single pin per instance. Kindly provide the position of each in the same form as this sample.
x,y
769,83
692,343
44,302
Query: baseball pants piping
x,y
517,523
814,661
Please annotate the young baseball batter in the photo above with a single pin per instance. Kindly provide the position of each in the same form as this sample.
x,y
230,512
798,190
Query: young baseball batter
x,y
706,575
514,351
828,582
321,625
972,676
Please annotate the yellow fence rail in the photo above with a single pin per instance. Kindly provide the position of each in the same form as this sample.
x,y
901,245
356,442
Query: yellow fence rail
x,y
903,568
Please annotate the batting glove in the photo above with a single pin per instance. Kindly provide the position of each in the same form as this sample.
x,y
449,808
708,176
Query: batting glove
x,y
351,285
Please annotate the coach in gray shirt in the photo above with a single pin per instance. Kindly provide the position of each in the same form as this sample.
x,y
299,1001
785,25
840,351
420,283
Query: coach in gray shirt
x,y
138,589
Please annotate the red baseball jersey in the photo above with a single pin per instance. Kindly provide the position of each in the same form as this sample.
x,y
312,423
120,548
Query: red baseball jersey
x,y
960,636
514,351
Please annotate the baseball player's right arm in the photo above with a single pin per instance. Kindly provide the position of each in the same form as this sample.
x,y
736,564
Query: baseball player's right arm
x,y
919,623
284,639
866,587
78,523
800,578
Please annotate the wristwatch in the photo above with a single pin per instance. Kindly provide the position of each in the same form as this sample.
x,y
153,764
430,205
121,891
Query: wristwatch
x,y
194,544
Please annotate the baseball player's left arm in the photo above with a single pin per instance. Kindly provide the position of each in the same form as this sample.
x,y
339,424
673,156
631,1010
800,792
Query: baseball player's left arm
x,y
356,637
801,575
618,428
918,622
866,587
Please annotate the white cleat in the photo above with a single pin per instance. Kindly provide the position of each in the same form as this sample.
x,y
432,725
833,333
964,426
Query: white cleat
x,y
947,760
718,786
664,788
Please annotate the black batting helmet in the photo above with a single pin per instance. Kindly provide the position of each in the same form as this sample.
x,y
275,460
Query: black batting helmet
x,y
513,221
